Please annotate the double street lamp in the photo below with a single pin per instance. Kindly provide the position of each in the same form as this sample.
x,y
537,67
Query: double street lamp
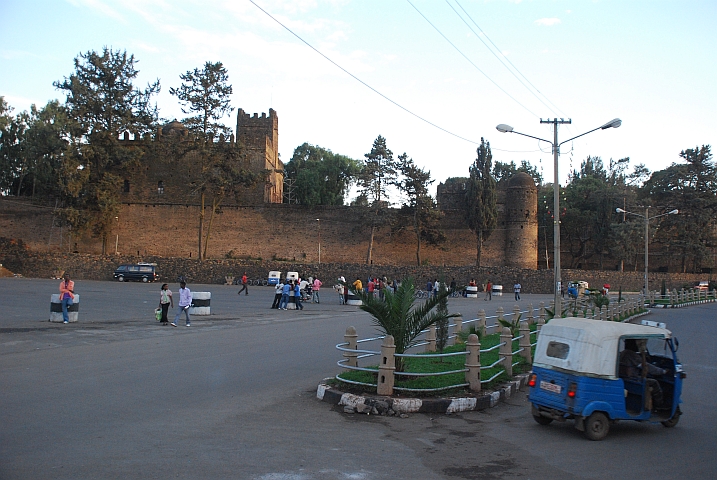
x,y
503,128
647,218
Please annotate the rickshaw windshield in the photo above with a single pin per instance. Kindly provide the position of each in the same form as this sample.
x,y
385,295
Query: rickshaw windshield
x,y
659,346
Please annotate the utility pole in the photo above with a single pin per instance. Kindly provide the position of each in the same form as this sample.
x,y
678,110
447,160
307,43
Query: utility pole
x,y
556,211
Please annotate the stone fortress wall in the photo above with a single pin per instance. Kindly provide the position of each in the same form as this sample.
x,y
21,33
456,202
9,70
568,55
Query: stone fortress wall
x,y
160,213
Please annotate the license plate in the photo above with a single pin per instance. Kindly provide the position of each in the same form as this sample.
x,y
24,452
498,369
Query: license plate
x,y
551,387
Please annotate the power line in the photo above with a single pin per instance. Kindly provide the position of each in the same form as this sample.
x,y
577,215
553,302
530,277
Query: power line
x,y
362,82
470,61
500,58
501,53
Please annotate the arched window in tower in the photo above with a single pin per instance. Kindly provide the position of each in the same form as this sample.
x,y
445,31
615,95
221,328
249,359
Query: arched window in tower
x,y
125,187
160,187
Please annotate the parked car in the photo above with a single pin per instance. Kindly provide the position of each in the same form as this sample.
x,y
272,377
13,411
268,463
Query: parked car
x,y
596,373
704,285
145,272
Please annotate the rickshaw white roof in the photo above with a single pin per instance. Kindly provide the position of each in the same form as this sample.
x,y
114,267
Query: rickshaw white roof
x,y
593,344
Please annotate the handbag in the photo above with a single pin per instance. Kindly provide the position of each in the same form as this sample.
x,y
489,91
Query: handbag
x,y
158,314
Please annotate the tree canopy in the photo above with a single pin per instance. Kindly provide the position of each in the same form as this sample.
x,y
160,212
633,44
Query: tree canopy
x,y
103,102
320,176
481,213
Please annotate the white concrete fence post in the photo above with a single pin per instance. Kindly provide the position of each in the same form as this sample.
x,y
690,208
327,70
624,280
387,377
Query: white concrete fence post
x,y
481,321
458,328
524,341
350,337
506,350
530,318
473,363
431,339
386,367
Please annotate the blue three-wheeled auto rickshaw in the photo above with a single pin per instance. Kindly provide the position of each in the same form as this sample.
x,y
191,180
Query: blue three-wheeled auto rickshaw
x,y
598,372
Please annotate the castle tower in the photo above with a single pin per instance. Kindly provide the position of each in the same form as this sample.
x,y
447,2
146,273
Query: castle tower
x,y
521,209
260,137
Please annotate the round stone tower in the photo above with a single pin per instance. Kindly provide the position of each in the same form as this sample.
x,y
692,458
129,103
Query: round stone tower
x,y
521,205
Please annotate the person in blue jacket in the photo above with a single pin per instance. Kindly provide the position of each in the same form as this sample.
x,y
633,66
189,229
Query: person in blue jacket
x,y
285,295
297,296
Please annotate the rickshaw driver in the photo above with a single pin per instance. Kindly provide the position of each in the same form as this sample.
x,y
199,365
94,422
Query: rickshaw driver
x,y
631,365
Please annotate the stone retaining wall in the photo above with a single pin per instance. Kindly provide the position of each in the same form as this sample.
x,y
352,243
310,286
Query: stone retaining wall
x,y
97,267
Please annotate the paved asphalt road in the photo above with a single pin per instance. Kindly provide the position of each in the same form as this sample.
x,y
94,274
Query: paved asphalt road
x,y
233,396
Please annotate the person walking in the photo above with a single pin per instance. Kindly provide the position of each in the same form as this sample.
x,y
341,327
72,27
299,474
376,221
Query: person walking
x,y
340,289
165,301
297,297
277,294
315,290
452,287
285,295
185,301
516,290
358,286
436,286
488,291
67,294
244,282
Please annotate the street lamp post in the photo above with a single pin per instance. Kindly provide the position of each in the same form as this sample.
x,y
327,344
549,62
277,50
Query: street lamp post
x,y
647,218
319,230
117,236
503,128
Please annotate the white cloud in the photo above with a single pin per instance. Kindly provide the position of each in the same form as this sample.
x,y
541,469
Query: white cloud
x,y
99,6
547,22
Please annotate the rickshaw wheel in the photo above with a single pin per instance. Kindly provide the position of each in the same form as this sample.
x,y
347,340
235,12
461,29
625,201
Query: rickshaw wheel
x,y
542,420
596,426
673,421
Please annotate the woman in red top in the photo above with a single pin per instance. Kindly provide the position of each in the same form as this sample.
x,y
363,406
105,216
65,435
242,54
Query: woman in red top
x,y
67,294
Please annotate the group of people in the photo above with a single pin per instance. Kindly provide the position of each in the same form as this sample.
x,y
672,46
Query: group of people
x,y
302,290
166,301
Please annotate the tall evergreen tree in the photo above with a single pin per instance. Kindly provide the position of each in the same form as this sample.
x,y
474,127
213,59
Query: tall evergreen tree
x,y
103,101
419,205
378,172
481,212
690,187
205,95
321,176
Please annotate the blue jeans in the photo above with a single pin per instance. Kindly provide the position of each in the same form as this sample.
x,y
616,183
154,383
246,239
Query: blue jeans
x,y
179,314
284,300
66,303
297,299
315,295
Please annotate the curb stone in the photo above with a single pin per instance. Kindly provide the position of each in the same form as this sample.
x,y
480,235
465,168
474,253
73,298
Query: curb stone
x,y
379,405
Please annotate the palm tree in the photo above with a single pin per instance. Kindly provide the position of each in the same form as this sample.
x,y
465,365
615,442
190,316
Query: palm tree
x,y
396,315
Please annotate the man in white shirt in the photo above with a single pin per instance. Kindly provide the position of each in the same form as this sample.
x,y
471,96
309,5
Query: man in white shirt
x,y
185,301
516,290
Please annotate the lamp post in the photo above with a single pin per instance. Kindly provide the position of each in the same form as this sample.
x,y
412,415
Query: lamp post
x,y
503,128
319,230
117,236
647,218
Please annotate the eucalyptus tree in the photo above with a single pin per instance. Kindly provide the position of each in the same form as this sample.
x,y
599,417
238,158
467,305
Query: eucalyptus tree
x,y
378,172
481,197
205,96
690,187
502,170
103,101
413,182
320,176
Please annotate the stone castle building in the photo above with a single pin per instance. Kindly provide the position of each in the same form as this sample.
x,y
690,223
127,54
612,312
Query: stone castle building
x,y
170,167
514,242
160,212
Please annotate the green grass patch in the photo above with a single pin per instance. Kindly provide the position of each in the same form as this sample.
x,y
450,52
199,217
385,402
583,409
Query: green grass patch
x,y
427,364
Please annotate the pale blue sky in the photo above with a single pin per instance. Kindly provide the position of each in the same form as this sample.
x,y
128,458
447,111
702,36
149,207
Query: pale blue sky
x,y
650,63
